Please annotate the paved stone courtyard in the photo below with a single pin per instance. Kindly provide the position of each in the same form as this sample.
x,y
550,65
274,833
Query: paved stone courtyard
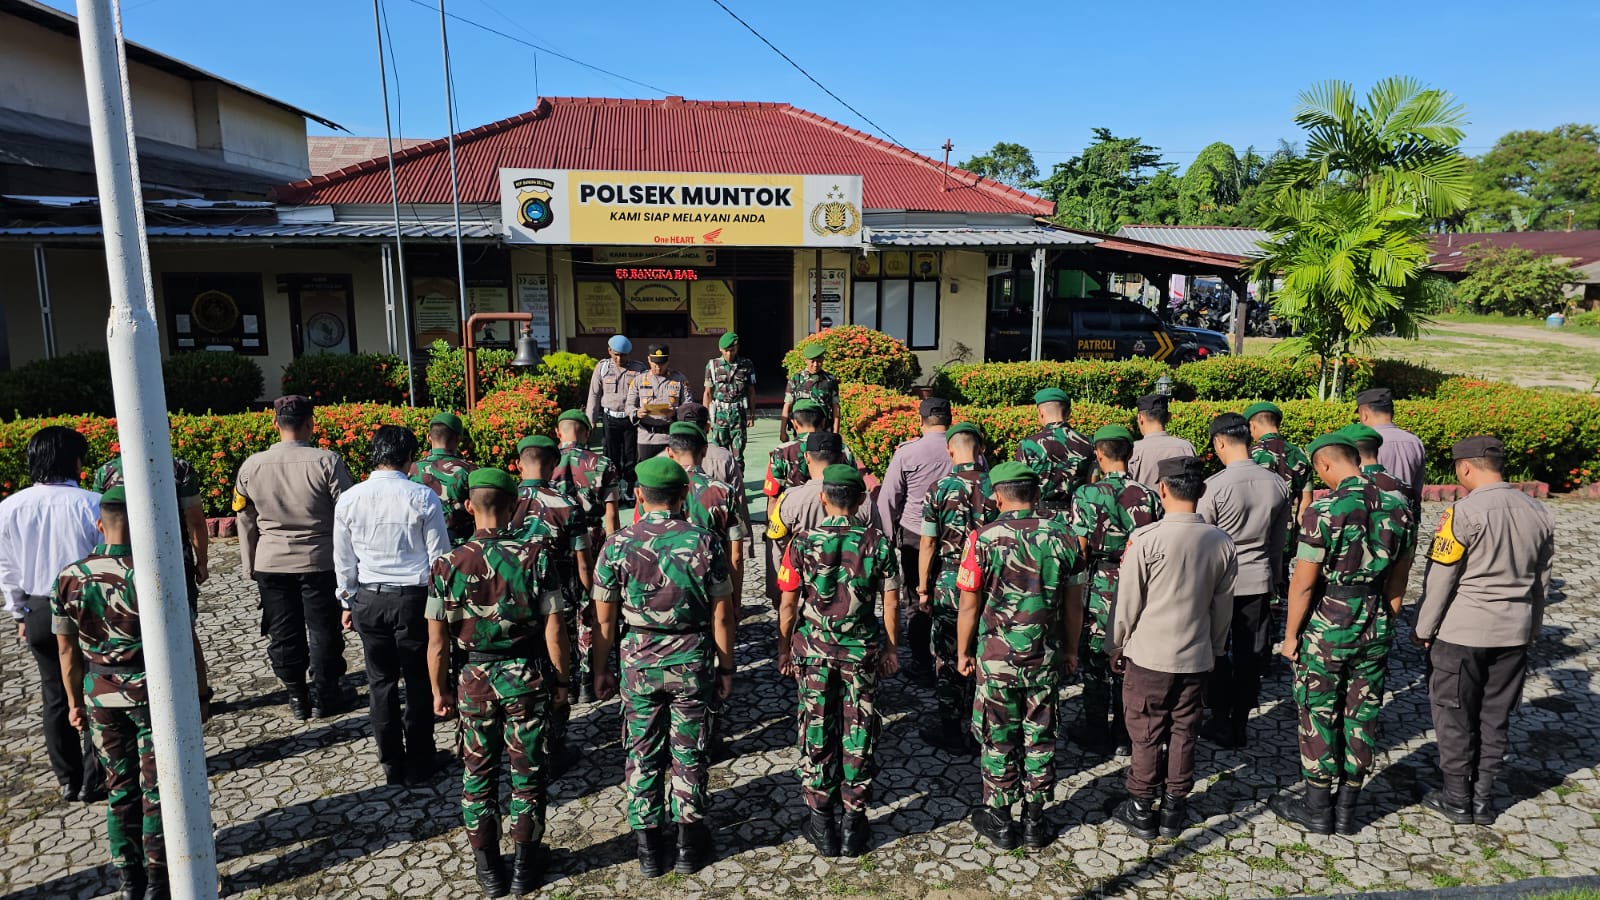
x,y
300,810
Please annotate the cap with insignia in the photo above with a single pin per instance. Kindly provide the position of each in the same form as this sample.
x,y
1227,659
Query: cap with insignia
x,y
1154,403
1256,409
1113,433
964,428
933,406
1359,432
448,420
1372,396
814,351
1227,422
693,412
824,442
688,429
293,406
1477,447
805,404
728,340
1051,395
659,353
840,473
1180,467
114,495
574,415
1012,471
660,473
1331,439
499,479
537,441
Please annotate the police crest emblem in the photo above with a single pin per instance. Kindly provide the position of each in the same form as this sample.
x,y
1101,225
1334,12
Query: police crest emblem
x,y
534,211
835,215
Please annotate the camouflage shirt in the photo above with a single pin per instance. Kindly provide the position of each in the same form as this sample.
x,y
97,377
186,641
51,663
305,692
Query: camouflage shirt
x,y
184,479
1356,533
730,381
786,467
445,474
1380,476
1284,458
821,387
1061,457
94,600
955,505
665,573
494,592
1020,566
841,569
540,501
712,505
1105,513
591,479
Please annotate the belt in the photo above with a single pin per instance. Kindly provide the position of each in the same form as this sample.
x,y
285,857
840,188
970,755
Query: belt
x,y
611,413
1352,591
393,588
133,668
653,427
652,629
1056,504
515,654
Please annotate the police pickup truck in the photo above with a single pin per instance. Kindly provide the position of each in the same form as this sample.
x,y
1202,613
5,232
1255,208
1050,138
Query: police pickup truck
x,y
1092,328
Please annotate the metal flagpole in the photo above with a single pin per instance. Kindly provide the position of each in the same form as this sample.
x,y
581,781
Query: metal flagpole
x,y
138,389
455,187
394,202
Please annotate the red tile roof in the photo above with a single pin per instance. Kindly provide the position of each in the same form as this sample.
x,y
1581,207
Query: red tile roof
x,y
671,135
332,153
1578,248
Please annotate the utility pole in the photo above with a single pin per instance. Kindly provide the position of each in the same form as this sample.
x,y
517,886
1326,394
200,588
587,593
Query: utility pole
x,y
138,389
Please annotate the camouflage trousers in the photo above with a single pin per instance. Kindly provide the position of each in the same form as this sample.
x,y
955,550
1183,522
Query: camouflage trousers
x,y
494,725
1016,729
1339,694
664,733
839,726
1102,688
952,691
727,429
558,714
133,805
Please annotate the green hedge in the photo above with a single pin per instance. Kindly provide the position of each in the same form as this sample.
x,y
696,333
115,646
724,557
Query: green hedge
x,y
563,377
1549,436
348,378
80,384
859,355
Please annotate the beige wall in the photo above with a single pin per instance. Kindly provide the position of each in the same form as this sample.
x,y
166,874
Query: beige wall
x,y
257,135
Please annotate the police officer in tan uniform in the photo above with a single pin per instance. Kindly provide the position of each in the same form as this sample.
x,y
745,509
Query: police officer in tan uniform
x,y
608,407
1156,444
1483,599
653,400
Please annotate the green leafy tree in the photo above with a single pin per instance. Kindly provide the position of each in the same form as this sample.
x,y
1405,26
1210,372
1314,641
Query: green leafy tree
x,y
1513,281
1010,164
1210,187
1106,186
1533,180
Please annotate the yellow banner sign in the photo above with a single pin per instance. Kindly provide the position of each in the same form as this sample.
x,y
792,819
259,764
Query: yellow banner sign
x,y
711,307
656,296
637,256
599,308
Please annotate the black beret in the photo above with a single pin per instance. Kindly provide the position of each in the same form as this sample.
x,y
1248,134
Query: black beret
x,y
824,442
933,406
1374,395
1181,467
1227,422
1477,447
1154,403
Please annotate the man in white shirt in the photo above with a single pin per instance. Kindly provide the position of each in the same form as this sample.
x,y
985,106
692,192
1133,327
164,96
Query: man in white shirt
x,y
44,529
387,531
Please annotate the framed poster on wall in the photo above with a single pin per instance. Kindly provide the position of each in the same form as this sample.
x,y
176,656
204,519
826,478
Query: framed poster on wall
x,y
222,311
493,298
533,297
435,311
711,307
599,307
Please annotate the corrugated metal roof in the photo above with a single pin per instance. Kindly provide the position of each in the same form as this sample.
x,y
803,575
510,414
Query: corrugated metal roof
x,y
1209,238
1027,236
1578,248
316,231
671,135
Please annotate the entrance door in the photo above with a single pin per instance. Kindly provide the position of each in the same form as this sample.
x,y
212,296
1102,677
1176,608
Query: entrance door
x,y
322,310
762,311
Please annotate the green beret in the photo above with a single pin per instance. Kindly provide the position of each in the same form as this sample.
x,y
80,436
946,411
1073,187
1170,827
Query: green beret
x,y
1012,471
1113,433
661,473
686,428
1051,395
114,495
964,428
1359,432
814,351
539,441
448,420
843,474
1331,439
806,403
575,415
728,340
499,479
1255,409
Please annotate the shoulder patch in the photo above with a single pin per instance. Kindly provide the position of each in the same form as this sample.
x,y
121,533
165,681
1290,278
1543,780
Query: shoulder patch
x,y
1446,549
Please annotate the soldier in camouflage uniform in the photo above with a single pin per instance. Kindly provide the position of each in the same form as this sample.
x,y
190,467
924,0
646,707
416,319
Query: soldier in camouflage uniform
x,y
1060,456
1104,514
497,598
95,616
814,384
668,579
191,512
592,479
445,473
830,639
1021,610
1269,449
955,506
1368,440
1353,559
541,500
730,394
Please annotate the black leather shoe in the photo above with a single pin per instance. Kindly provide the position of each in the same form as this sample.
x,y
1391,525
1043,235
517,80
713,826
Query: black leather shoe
x,y
650,863
585,691
491,872
155,885
1312,811
856,833
1344,813
332,703
1036,833
130,883
920,673
1174,816
995,826
694,847
91,794
526,868
947,736
562,757
1093,741
423,771
823,833
1221,732
299,702
1138,816
1482,811
69,793
394,776
1450,805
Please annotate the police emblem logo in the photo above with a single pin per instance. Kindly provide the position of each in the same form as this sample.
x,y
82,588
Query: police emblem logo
x,y
835,215
533,203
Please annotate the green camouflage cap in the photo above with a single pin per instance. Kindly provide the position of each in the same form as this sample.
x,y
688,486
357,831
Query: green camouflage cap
x,y
728,340
805,404
660,472
1113,433
686,428
843,474
814,351
1051,395
1359,432
1012,471
575,415
539,441
448,420
1256,409
964,428
114,495
499,479
1331,439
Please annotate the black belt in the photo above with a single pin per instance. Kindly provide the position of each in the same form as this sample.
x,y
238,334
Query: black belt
x,y
1352,591
1056,504
393,588
133,668
494,656
652,629
654,428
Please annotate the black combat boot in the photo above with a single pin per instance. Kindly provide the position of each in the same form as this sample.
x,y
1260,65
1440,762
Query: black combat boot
x,y
1035,831
1344,815
1453,801
1138,816
650,863
299,701
491,872
1312,810
949,736
155,884
1220,730
1090,733
526,868
130,883
823,833
1483,802
1174,815
694,847
995,826
585,689
856,833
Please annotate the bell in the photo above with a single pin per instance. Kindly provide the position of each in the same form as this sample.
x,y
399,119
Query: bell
x,y
528,353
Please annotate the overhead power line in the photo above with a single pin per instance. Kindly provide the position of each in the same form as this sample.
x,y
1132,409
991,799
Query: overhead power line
x,y
801,69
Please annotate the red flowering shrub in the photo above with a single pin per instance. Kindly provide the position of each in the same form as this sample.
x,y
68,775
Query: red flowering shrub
x,y
505,417
348,378
859,355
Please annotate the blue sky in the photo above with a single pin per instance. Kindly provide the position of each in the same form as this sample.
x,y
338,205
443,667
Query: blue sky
x,y
1178,74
